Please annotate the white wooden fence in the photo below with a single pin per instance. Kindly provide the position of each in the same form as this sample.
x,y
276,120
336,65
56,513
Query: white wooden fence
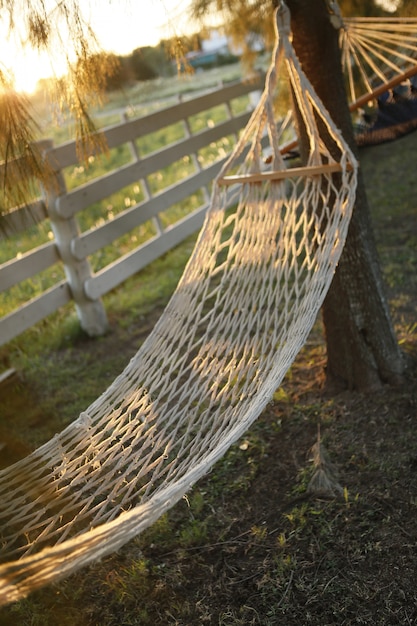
x,y
73,248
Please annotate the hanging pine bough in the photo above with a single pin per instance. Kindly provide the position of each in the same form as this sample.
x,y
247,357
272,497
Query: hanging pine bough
x,y
240,314
379,59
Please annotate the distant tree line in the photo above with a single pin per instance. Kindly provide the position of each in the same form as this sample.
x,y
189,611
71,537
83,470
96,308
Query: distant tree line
x,y
149,62
142,64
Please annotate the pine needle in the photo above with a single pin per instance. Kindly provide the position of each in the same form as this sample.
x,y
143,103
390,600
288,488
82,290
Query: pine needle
x,y
21,162
324,481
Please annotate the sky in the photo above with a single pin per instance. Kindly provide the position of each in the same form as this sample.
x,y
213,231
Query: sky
x,y
120,25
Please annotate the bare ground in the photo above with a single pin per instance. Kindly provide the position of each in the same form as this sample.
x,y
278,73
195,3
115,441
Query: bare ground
x,y
250,545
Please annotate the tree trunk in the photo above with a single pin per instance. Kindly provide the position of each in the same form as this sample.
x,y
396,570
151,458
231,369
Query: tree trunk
x,y
362,351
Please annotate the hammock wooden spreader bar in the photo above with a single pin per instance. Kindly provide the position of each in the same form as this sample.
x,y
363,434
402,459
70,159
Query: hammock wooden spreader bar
x,y
241,312
378,91
279,175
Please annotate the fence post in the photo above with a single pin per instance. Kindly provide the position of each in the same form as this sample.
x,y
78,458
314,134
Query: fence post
x,y
91,313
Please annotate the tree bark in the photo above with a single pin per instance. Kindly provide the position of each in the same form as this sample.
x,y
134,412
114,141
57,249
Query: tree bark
x,y
362,350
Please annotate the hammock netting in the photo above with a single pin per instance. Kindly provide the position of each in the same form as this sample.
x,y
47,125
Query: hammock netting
x,y
242,310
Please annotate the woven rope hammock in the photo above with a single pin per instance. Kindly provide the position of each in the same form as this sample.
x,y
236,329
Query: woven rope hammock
x,y
241,312
379,57
378,54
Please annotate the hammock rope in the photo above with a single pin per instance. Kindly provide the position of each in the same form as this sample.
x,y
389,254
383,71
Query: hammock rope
x,y
242,310
379,58
377,54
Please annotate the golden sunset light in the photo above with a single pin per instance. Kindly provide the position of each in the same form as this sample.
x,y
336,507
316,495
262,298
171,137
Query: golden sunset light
x,y
120,27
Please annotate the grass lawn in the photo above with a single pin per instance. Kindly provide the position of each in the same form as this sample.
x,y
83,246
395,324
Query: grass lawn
x,y
249,545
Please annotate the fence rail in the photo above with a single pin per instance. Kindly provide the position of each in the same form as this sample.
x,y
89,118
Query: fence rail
x,y
72,246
